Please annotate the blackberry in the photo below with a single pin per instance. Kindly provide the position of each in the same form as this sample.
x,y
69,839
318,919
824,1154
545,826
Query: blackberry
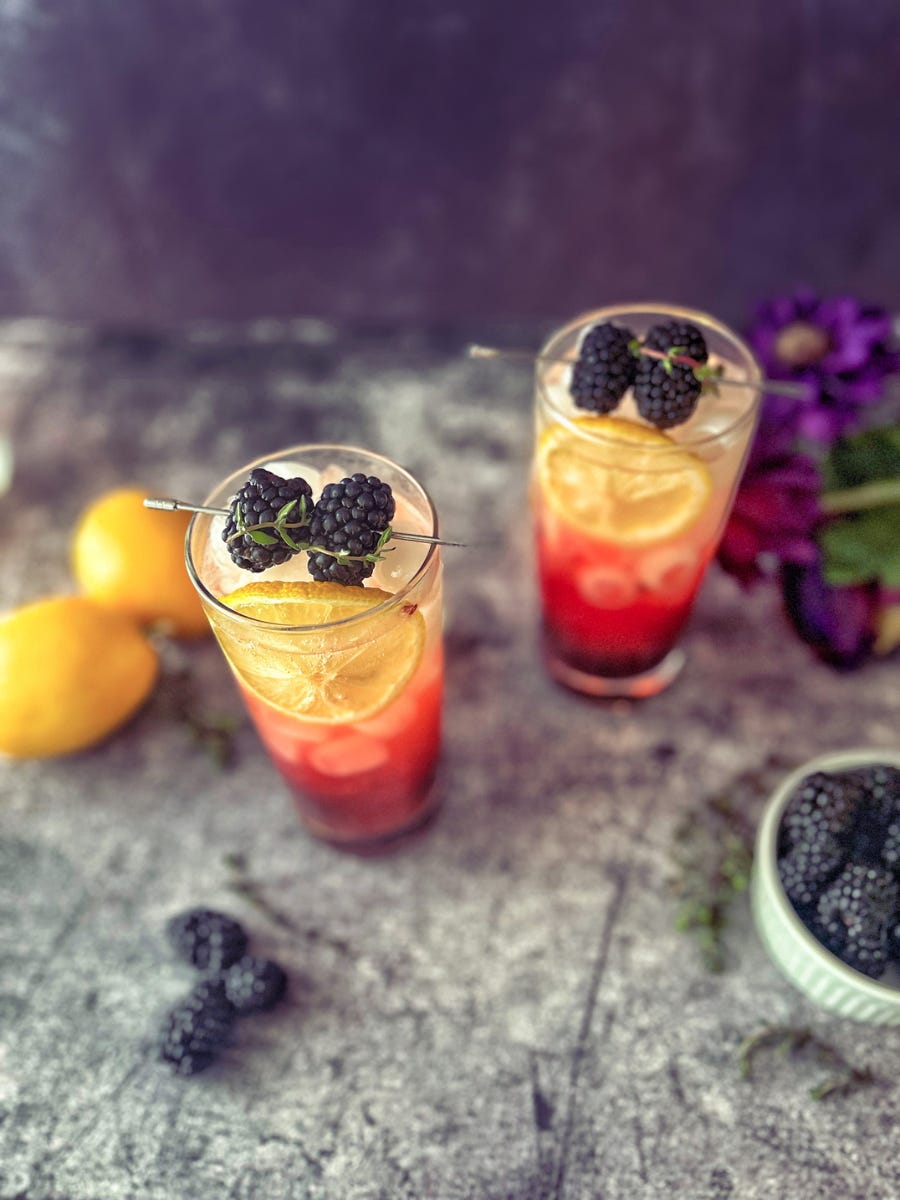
x,y
666,393
195,1030
890,847
254,984
881,786
681,336
349,516
806,868
821,804
893,940
605,368
855,915
209,940
258,502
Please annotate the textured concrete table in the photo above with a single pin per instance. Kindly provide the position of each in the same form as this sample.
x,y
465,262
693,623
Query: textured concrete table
x,y
501,1009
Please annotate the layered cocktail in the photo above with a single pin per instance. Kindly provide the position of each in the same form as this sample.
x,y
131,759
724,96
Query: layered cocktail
x,y
336,646
644,419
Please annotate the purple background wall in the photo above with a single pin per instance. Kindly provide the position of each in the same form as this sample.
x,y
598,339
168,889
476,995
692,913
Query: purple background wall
x,y
435,158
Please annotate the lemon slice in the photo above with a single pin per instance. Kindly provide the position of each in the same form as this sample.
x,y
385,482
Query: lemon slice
x,y
636,487
328,673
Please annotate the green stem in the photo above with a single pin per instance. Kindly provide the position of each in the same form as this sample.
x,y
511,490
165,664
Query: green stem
x,y
867,495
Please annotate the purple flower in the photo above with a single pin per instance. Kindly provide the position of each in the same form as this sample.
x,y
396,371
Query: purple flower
x,y
837,348
839,623
776,510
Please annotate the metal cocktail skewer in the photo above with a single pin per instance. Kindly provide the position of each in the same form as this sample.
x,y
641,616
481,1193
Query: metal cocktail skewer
x,y
169,505
776,387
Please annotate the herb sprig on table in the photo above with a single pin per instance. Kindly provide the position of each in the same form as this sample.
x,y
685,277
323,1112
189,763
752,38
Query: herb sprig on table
x,y
798,1043
177,699
712,853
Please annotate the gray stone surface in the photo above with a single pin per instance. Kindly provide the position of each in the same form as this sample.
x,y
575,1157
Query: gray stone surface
x,y
502,1009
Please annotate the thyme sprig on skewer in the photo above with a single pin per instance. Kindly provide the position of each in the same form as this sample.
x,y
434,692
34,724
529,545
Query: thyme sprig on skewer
x,y
269,533
704,373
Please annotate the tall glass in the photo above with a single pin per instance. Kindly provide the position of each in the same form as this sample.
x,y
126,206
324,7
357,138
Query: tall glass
x,y
627,517
349,708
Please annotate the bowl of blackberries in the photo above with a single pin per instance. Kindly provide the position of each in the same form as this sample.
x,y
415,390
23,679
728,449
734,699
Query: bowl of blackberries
x,y
825,888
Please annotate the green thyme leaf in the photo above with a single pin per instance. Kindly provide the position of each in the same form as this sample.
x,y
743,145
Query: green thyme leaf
x,y
263,539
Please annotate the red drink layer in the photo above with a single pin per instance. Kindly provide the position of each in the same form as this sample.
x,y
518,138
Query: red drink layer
x,y
608,609
360,780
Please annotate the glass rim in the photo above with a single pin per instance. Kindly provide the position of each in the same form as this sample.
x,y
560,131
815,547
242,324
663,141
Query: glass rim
x,y
393,600
661,309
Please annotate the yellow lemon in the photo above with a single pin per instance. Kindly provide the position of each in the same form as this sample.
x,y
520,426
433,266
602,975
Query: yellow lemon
x,y
131,558
633,485
338,673
71,671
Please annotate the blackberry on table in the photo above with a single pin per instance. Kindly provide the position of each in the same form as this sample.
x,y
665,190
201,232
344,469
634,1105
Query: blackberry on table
x,y
254,984
258,502
207,939
349,517
666,393
605,368
195,1030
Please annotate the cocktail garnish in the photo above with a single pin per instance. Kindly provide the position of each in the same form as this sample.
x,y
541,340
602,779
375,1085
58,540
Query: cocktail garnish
x,y
270,519
620,495
611,359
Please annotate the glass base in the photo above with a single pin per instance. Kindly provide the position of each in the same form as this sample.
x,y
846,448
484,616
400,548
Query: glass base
x,y
629,687
369,844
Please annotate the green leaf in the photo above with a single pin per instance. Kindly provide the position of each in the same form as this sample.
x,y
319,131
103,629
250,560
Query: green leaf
x,y
263,539
284,510
864,458
288,540
863,548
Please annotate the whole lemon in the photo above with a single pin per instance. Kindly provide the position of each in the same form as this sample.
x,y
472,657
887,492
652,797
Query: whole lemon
x,y
71,671
132,559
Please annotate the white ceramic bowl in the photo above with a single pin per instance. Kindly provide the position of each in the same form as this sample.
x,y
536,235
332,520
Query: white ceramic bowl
x,y
807,964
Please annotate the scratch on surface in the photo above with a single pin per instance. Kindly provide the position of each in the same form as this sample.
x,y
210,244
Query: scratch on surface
x,y
65,930
57,1156
639,1147
587,1017
542,1110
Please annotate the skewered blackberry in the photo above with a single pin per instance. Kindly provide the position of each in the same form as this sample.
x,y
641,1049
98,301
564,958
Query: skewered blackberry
x,y
348,520
259,502
666,392
605,368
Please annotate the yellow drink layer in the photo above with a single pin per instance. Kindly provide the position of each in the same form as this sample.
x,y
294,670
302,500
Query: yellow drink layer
x,y
331,669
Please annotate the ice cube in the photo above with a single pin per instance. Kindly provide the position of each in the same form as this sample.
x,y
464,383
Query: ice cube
x,y
400,563
605,587
395,719
352,754
670,569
